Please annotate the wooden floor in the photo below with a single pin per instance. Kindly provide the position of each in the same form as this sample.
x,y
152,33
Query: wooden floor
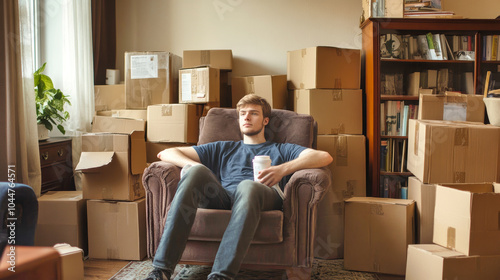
x,y
102,269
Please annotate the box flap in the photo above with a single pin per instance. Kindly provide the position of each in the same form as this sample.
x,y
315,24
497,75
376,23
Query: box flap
x,y
65,249
61,196
137,152
90,161
395,201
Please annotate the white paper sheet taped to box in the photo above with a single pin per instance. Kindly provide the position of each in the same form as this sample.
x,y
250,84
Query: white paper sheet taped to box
x,y
144,66
186,86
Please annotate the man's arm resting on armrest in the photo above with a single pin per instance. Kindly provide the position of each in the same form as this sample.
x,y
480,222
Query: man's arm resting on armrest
x,y
180,156
307,159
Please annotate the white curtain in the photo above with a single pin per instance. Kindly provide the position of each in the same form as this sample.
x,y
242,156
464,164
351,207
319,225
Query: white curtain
x,y
67,45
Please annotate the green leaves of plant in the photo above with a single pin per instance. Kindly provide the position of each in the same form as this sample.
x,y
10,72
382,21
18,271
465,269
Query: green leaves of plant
x,y
49,102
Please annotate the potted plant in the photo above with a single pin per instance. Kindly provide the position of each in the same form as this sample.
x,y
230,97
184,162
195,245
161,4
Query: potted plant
x,y
49,104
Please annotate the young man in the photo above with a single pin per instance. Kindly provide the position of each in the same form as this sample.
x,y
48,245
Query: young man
x,y
219,175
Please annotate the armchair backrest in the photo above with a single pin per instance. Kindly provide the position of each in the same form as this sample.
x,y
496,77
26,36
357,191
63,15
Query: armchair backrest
x,y
221,124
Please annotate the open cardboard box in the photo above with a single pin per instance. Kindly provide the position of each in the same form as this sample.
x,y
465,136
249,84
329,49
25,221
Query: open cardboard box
x,y
112,165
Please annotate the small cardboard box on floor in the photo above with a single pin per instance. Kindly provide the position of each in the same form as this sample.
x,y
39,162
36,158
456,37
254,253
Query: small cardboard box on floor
x,y
433,262
151,78
271,87
453,152
62,219
109,97
71,261
349,180
425,201
324,68
377,234
173,123
463,107
336,111
112,165
221,59
199,85
117,229
466,218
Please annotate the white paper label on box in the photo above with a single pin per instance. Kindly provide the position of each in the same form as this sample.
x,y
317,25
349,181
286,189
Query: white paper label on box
x,y
455,112
144,66
186,86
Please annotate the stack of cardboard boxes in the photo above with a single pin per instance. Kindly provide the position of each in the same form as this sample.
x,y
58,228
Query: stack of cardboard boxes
x,y
324,82
456,164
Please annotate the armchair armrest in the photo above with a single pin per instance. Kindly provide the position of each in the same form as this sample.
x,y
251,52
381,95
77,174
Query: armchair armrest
x,y
160,181
302,193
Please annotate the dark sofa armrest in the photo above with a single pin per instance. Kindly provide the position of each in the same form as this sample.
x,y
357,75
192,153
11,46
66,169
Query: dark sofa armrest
x,y
160,181
319,179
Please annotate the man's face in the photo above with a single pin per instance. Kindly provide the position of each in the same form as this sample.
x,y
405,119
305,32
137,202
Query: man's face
x,y
252,120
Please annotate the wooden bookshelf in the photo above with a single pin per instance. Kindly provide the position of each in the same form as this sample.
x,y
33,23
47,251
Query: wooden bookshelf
x,y
375,67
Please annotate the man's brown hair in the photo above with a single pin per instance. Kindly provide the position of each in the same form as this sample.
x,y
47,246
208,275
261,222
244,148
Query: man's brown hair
x,y
256,100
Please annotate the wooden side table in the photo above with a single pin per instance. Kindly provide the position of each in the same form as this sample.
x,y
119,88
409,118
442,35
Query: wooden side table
x,y
56,163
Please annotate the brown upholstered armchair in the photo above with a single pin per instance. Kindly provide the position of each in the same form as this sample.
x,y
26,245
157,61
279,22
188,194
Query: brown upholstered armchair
x,y
284,239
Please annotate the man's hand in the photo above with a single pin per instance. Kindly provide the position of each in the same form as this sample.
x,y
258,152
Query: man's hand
x,y
271,175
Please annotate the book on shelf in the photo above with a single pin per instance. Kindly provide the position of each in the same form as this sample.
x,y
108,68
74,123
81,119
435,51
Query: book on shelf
x,y
491,48
393,187
393,155
491,83
394,116
414,81
392,84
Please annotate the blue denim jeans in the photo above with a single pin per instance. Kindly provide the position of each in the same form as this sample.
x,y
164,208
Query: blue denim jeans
x,y
199,188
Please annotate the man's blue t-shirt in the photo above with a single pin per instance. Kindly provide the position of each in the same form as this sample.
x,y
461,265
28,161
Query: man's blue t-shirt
x,y
231,161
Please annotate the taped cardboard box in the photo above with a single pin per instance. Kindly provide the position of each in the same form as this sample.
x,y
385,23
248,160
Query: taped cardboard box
x,y
151,78
222,59
336,111
199,85
124,235
109,97
138,114
112,165
109,124
433,262
425,201
461,107
324,68
349,180
153,148
271,87
466,218
377,234
453,152
71,261
62,218
174,123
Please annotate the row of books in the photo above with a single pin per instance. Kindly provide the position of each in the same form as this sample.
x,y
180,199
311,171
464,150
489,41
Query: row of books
x,y
492,83
491,48
393,155
394,116
427,46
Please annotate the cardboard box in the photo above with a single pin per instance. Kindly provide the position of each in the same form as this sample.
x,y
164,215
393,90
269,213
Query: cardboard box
x,y
151,78
124,235
71,261
466,218
349,180
152,149
174,123
433,262
451,108
336,111
112,166
199,85
324,68
271,87
126,114
109,97
222,59
62,218
377,234
425,201
117,125
453,152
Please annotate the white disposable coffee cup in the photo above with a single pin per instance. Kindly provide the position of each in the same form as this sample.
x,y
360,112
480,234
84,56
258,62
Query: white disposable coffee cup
x,y
112,76
260,163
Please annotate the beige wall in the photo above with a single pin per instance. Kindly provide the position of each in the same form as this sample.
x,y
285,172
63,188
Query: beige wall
x,y
484,9
259,32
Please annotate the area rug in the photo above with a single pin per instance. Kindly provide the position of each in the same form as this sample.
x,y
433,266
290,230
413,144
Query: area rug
x,y
322,269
